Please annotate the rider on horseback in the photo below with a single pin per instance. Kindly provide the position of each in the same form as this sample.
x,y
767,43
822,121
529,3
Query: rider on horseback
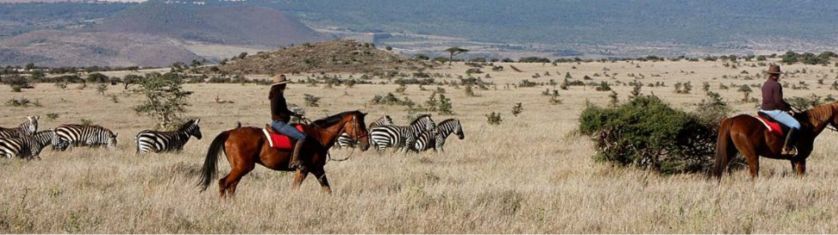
x,y
281,115
774,106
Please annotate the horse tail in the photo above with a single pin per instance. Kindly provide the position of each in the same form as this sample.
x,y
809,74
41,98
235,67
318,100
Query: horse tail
x,y
208,171
723,143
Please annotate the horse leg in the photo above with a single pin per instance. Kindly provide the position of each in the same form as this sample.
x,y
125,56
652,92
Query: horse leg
x,y
799,167
237,178
749,152
227,185
298,179
320,173
222,185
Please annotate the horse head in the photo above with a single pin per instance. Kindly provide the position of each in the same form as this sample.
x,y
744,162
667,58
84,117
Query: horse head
x,y
356,128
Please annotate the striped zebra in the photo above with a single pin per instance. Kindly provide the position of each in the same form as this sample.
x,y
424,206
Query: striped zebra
x,y
397,137
435,138
27,146
83,135
157,141
344,141
28,127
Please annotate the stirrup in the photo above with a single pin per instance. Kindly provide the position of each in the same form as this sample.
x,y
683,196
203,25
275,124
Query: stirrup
x,y
791,151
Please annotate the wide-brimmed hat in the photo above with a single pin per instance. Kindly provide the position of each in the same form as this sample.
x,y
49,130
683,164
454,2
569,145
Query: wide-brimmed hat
x,y
279,79
774,69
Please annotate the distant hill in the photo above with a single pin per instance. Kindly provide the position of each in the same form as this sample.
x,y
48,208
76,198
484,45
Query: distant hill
x,y
330,56
63,48
236,24
149,34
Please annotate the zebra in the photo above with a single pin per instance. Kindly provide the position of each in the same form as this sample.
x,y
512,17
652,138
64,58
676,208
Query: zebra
x,y
83,135
28,127
345,141
27,146
400,136
435,138
157,141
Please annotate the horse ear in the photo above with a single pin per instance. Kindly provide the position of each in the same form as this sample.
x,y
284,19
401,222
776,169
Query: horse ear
x,y
197,121
363,114
115,134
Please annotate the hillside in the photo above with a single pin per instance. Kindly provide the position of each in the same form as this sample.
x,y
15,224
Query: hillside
x,y
596,28
331,56
61,48
235,24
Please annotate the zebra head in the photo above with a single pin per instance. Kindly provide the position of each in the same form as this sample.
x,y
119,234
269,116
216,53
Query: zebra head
x,y
30,126
111,141
459,131
191,128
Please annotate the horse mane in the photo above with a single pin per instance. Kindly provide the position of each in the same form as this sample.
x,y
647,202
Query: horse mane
x,y
419,118
331,120
818,113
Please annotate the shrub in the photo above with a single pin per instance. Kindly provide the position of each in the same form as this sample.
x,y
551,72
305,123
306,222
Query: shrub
x,y
469,91
390,99
603,86
493,118
18,102
646,132
445,106
517,109
52,116
312,101
97,78
101,88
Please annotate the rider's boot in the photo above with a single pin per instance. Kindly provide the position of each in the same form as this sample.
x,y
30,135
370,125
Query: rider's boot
x,y
789,147
296,163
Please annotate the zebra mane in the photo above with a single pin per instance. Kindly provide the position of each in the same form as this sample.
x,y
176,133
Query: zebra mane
x,y
331,120
186,125
420,117
447,121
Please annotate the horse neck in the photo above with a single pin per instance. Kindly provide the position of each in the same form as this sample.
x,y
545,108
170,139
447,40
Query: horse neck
x,y
820,117
327,135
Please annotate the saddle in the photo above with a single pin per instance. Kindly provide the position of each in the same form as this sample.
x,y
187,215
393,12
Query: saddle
x,y
772,125
277,140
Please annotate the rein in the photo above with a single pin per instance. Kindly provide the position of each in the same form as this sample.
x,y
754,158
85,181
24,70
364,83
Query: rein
x,y
351,153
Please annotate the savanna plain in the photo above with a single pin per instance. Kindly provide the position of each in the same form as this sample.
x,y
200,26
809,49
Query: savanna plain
x,y
532,173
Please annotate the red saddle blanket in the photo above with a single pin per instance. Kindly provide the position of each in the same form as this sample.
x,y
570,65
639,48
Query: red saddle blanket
x,y
773,126
280,141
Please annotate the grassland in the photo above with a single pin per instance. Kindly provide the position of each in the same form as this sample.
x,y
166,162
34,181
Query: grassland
x,y
531,174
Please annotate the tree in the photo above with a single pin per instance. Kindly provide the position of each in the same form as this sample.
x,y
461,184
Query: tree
x,y
452,51
165,99
745,89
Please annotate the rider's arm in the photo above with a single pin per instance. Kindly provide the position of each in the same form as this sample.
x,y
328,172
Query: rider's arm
x,y
778,97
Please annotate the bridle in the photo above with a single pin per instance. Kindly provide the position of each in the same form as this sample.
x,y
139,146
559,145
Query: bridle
x,y
355,129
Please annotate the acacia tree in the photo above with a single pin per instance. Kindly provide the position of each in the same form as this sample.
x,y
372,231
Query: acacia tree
x,y
165,99
746,90
452,51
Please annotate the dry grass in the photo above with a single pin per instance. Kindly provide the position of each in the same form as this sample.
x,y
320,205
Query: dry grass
x,y
530,174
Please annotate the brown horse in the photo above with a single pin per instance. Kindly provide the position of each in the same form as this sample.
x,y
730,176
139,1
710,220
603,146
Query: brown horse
x,y
747,135
247,146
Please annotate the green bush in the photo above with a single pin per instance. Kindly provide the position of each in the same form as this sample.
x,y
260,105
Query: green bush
x,y
646,132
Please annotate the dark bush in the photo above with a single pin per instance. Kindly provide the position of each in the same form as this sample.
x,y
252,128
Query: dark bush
x,y
646,132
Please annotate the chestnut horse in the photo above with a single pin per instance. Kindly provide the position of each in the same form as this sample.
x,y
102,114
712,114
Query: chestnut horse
x,y
747,135
247,146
